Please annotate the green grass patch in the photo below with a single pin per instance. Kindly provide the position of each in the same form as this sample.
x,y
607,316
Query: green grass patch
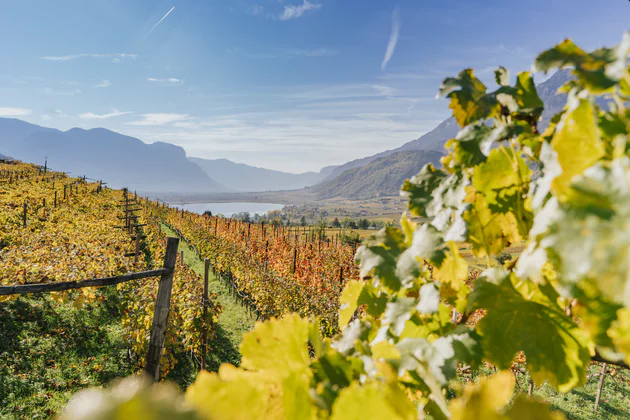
x,y
234,320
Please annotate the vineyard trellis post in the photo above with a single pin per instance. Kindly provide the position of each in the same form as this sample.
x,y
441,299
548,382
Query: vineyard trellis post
x,y
204,332
162,310
602,377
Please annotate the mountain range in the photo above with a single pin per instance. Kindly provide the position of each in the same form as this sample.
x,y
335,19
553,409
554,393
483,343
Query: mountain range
x,y
101,154
242,177
164,168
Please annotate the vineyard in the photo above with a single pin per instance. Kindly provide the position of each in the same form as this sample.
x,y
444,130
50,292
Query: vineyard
x,y
56,229
275,270
404,327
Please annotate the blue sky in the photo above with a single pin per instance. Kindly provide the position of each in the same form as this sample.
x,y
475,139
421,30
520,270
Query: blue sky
x,y
292,85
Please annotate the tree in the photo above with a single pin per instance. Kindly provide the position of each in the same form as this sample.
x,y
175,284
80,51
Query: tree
x,y
364,224
303,221
207,213
336,223
348,223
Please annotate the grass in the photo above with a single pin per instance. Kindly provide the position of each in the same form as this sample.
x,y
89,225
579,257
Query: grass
x,y
50,350
577,404
234,319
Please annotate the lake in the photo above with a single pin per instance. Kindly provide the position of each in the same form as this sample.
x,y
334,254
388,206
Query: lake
x,y
228,209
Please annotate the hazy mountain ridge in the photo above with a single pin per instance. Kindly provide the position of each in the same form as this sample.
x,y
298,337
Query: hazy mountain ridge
x,y
381,177
247,178
103,154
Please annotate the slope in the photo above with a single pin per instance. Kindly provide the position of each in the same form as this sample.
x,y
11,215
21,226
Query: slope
x,y
381,177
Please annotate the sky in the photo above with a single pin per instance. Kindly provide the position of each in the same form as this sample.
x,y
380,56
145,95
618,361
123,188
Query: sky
x,y
292,85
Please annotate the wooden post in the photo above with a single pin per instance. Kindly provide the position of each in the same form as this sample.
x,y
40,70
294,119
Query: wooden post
x,y
204,331
181,258
55,198
601,385
137,247
530,390
162,309
65,187
24,216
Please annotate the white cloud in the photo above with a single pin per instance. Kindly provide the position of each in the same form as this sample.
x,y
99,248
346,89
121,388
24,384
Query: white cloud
x,y
393,39
294,12
14,112
114,113
166,81
160,119
116,58
384,90
63,92
103,84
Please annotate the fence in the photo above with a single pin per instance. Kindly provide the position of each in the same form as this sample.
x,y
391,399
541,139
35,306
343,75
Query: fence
x,y
162,302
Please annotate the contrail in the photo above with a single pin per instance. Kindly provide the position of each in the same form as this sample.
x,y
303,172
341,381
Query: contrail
x,y
164,17
393,39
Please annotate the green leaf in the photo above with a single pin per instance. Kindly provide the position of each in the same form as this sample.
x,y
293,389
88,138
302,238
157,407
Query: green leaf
x,y
489,233
468,98
296,398
576,141
598,71
359,402
420,187
504,173
287,336
555,349
502,76
373,299
349,301
487,400
484,400
594,215
379,255
427,245
454,269
619,332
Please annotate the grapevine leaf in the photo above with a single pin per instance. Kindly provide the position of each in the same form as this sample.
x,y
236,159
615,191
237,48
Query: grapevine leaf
x,y
484,400
502,76
454,269
375,302
429,299
514,324
420,187
598,71
595,216
287,336
489,233
468,98
488,399
427,244
576,141
619,332
359,402
503,172
296,399
349,301
238,397
379,255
